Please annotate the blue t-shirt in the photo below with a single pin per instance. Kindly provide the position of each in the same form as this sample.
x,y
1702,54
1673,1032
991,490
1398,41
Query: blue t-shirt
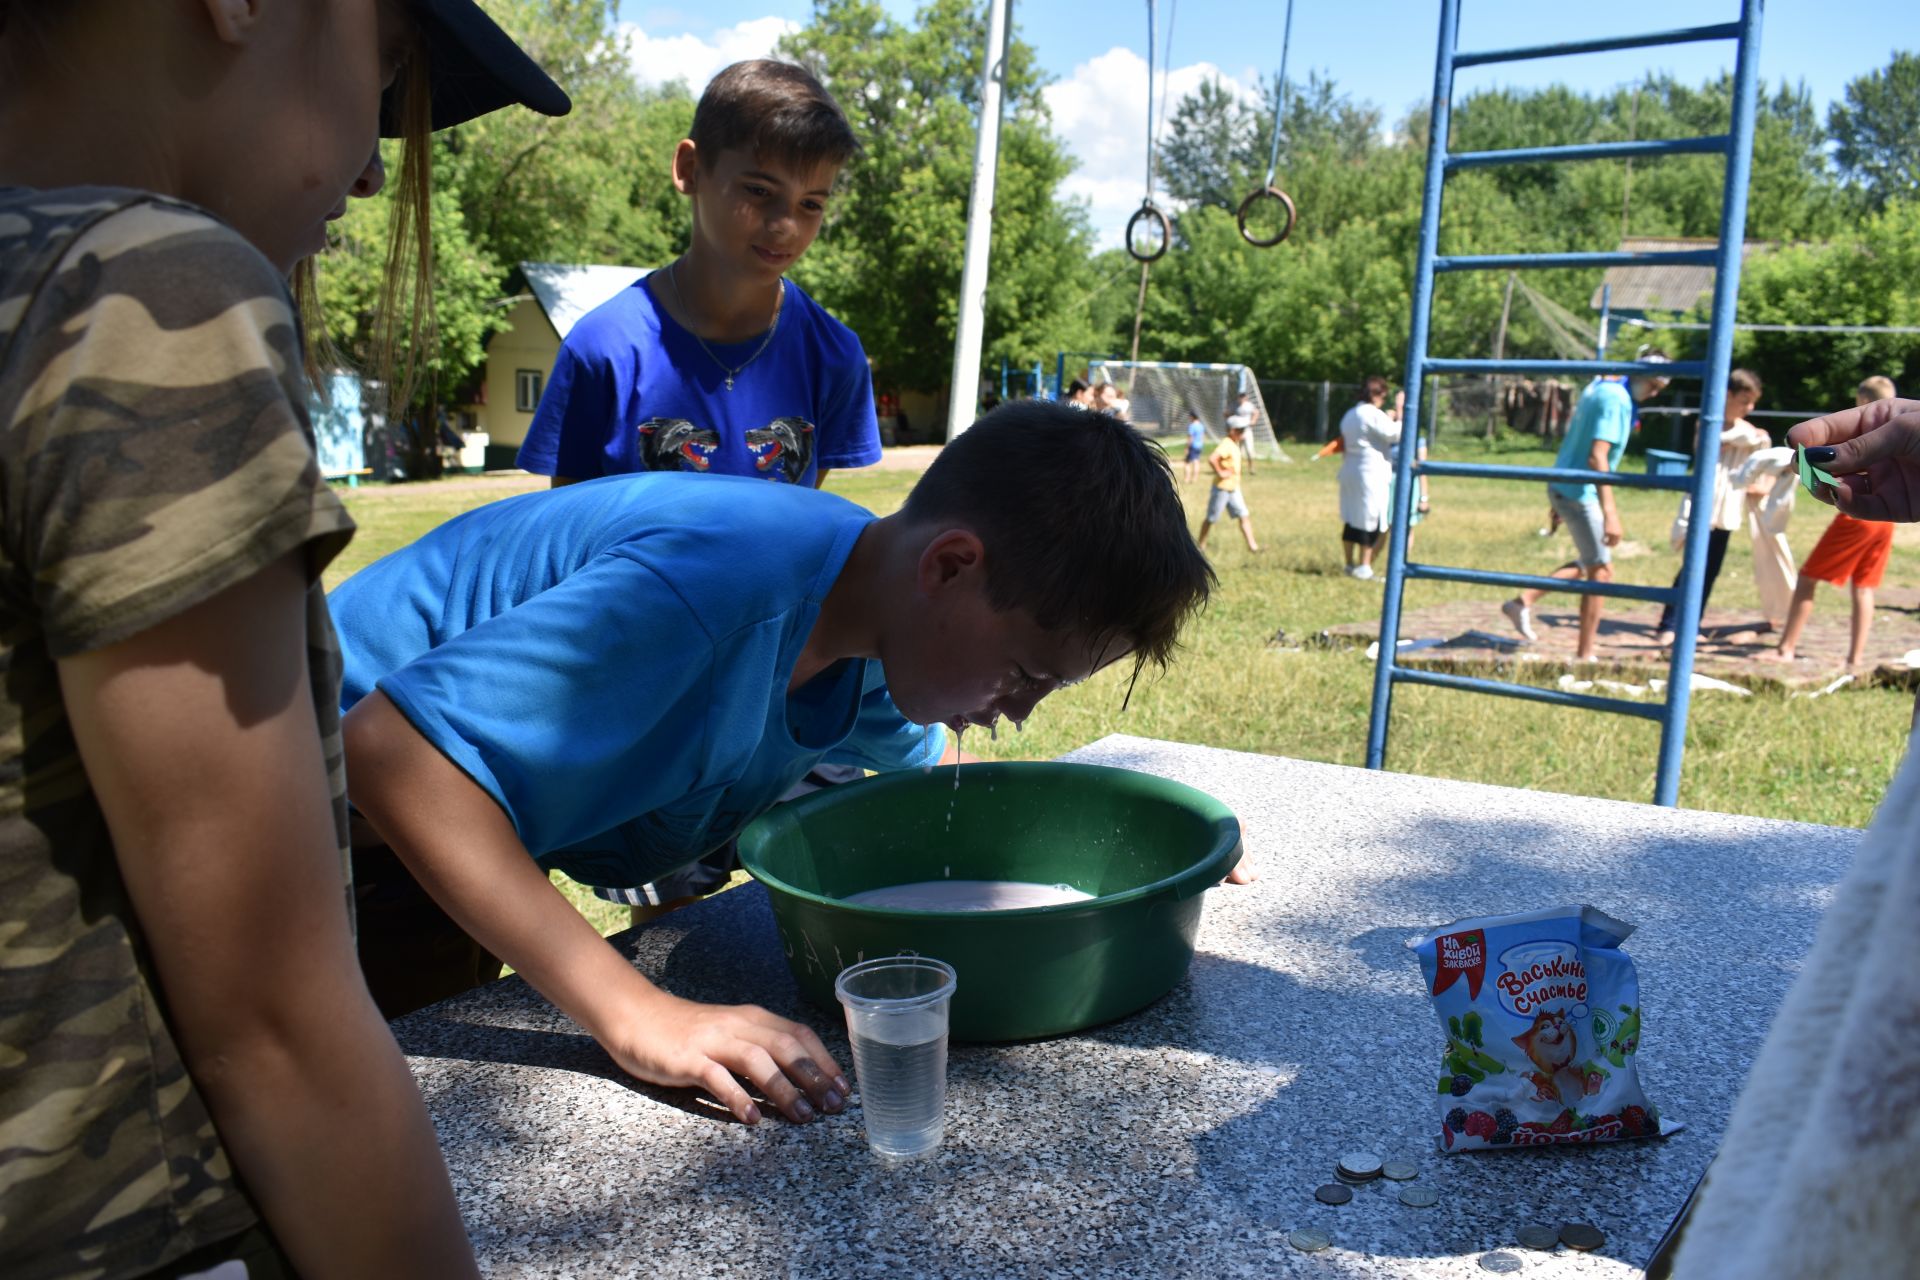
x,y
1196,435
1605,412
633,391
610,661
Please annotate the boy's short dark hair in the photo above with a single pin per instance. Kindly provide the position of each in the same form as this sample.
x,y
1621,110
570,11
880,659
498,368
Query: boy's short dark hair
x,y
1744,382
1082,524
775,110
1374,385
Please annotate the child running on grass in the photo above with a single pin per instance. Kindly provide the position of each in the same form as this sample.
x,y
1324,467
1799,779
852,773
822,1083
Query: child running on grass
x,y
1851,553
1225,497
612,679
192,1077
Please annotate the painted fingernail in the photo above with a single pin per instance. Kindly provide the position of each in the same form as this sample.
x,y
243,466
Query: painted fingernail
x,y
802,1110
832,1102
840,1083
1822,455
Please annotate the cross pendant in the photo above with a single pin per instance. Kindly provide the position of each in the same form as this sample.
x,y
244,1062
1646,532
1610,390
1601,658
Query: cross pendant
x,y
729,382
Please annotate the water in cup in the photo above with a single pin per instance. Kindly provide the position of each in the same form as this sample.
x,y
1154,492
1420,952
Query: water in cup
x,y
901,1064
897,1020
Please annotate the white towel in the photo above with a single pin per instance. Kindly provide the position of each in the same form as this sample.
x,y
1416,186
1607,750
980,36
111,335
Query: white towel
x,y
1818,1177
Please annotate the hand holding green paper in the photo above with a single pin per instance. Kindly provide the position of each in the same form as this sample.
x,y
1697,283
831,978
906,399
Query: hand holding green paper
x,y
1811,475
1868,459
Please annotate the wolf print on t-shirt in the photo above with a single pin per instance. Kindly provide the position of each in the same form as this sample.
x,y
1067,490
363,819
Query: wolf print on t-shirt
x,y
781,450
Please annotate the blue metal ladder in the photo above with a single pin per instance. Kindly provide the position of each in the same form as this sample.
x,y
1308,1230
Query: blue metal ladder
x,y
1737,146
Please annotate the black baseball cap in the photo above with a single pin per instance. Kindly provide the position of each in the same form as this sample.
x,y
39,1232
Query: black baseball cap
x,y
474,67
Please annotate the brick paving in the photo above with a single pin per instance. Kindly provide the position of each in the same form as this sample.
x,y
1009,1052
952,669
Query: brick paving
x,y
1474,636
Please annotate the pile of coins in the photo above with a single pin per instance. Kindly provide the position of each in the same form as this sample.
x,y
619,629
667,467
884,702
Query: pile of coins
x,y
1581,1236
1357,1169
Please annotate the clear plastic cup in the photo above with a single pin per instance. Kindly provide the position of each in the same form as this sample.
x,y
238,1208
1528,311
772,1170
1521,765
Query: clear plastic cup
x,y
897,1019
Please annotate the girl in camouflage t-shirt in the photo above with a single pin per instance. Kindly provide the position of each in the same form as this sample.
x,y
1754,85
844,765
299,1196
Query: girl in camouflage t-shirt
x,y
191,1071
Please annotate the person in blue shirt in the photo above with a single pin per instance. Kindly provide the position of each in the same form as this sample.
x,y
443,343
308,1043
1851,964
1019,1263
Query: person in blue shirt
x,y
1196,445
716,364
1596,436
612,679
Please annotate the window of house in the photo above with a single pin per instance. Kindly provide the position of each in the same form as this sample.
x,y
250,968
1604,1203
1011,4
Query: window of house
x,y
526,390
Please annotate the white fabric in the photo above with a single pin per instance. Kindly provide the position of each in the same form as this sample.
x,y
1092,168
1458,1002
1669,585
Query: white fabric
x,y
1738,443
1816,1178
1774,574
1366,471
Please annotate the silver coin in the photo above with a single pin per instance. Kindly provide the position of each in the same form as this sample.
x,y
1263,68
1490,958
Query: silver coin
x,y
1582,1236
1533,1236
1505,1263
1400,1170
1360,1164
1333,1193
1309,1239
1419,1197
1349,1179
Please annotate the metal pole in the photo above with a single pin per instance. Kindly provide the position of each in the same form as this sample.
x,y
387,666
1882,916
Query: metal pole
x,y
1606,319
1320,397
1437,126
1060,376
1713,407
1499,350
973,270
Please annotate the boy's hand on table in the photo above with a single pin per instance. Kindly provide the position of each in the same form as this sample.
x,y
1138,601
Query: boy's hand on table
x,y
680,1043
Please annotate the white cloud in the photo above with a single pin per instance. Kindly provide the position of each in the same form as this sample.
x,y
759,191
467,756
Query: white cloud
x,y
697,58
1101,112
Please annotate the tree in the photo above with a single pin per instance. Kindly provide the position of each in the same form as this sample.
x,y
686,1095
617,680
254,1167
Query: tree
x,y
1876,131
888,261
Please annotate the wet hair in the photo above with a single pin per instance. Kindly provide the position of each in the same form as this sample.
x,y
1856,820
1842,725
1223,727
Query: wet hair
x,y
1743,382
1082,524
777,111
1877,387
1373,385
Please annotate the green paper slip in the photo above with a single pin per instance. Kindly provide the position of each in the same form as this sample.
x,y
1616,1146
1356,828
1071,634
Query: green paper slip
x,y
1810,473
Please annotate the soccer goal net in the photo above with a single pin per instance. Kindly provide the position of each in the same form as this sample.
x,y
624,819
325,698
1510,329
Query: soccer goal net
x,y
1161,395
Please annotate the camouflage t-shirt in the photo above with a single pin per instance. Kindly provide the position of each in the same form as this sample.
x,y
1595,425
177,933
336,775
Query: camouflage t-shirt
x,y
157,451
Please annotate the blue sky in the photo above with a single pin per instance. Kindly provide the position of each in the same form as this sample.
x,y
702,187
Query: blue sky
x,y
1377,50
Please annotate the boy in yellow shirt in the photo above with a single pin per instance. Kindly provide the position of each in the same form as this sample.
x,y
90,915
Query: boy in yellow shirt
x,y
1226,461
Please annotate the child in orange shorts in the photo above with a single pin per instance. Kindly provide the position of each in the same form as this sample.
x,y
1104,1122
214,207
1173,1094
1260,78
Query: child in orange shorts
x,y
1851,553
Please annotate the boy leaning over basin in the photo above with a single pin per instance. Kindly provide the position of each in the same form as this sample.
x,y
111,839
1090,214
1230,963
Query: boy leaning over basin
x,y
614,678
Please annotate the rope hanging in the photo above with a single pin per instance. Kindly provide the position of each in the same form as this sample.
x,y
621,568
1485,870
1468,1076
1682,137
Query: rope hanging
x,y
1268,191
1148,213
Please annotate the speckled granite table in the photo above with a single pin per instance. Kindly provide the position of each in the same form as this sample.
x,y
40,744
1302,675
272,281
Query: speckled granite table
x,y
1185,1140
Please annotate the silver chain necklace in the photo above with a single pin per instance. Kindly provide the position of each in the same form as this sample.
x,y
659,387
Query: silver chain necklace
x,y
779,302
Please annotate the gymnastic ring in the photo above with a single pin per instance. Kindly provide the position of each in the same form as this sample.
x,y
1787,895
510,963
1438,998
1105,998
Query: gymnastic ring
x,y
1148,211
1246,207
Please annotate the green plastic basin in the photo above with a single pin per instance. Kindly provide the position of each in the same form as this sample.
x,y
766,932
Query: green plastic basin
x,y
1146,848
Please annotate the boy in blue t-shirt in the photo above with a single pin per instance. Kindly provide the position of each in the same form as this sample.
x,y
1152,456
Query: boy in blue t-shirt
x,y
1597,435
615,678
716,364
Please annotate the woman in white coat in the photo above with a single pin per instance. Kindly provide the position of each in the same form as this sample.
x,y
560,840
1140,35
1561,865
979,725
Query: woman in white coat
x,y
1367,434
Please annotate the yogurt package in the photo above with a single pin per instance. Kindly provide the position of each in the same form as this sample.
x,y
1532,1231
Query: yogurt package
x,y
1542,1017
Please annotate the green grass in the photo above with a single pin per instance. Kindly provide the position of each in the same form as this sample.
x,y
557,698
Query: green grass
x,y
1822,761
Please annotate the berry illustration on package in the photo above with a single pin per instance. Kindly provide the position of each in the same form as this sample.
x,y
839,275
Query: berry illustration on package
x,y
1542,1017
